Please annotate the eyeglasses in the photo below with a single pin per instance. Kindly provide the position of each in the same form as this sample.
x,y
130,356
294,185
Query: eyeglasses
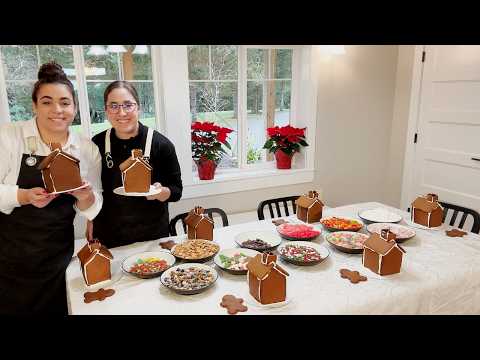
x,y
127,107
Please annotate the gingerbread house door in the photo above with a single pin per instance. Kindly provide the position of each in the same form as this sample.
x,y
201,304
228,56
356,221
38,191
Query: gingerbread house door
x,y
446,156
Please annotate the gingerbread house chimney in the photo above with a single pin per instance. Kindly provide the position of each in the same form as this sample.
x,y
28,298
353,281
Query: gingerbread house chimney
x,y
199,224
387,235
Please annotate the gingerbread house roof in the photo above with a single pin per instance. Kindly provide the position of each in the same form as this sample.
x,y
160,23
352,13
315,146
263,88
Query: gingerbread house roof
x,y
260,270
379,245
129,163
89,251
46,162
423,204
307,202
194,219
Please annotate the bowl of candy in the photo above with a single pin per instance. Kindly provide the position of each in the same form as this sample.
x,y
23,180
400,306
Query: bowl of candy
x,y
149,264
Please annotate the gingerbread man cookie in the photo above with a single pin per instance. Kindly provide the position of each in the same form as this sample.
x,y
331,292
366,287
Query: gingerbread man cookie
x,y
168,244
353,276
455,233
100,295
233,304
279,222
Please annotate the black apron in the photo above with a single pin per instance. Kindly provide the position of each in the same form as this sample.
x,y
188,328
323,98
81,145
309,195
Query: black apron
x,y
125,220
36,246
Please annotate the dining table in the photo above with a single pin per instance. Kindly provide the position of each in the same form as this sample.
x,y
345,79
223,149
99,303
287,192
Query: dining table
x,y
439,275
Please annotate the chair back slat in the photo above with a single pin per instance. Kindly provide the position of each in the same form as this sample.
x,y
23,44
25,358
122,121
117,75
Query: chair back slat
x,y
454,217
278,202
465,213
462,220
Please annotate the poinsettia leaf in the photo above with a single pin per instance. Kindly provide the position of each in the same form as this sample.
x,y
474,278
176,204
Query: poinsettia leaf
x,y
303,143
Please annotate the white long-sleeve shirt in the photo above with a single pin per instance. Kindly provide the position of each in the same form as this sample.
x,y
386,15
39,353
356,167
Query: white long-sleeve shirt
x,y
13,144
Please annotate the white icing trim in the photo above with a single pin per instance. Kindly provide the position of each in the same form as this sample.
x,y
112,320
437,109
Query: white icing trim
x,y
107,141
148,143
380,257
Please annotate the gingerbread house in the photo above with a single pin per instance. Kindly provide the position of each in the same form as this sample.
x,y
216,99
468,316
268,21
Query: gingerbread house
x,y
60,171
427,211
136,173
267,281
309,207
95,262
382,254
199,224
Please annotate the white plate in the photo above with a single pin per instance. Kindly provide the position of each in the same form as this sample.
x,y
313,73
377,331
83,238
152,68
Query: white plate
x,y
230,252
322,250
65,191
411,223
402,232
380,215
162,255
250,300
153,191
269,237
116,272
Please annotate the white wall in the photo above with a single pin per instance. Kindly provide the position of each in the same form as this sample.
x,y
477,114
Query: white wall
x,y
401,108
355,109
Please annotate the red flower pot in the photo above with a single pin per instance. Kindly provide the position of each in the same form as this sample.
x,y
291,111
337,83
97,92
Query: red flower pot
x,y
284,161
206,169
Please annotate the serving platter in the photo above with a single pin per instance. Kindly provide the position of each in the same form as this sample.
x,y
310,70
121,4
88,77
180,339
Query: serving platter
x,y
189,278
270,238
195,250
347,241
298,232
289,251
153,191
227,259
337,223
133,264
379,215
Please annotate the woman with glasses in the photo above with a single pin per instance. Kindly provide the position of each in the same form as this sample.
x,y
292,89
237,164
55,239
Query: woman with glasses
x,y
126,219
36,228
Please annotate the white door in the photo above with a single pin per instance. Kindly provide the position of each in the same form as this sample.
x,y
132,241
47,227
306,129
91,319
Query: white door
x,y
447,153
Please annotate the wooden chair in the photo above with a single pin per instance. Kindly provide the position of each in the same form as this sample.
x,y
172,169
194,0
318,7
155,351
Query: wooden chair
x,y
462,210
181,217
277,202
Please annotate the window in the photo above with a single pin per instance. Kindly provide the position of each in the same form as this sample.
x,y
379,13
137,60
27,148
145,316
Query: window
x,y
101,67
20,66
213,85
269,77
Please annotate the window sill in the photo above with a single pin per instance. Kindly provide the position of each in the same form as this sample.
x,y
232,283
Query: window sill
x,y
235,181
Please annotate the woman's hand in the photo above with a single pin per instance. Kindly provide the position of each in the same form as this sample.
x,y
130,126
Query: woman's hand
x,y
89,231
36,196
163,195
85,197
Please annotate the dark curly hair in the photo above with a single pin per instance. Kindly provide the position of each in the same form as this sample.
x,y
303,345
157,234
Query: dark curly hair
x,y
52,73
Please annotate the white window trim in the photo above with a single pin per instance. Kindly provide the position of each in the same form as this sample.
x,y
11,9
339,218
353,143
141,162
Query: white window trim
x,y
174,73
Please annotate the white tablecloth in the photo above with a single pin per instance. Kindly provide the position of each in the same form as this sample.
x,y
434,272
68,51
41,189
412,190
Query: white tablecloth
x,y
439,275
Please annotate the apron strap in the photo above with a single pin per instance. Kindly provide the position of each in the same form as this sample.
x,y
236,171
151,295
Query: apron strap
x,y
148,143
108,150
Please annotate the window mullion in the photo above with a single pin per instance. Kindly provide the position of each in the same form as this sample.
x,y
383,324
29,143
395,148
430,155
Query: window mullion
x,y
242,107
4,108
158,91
83,103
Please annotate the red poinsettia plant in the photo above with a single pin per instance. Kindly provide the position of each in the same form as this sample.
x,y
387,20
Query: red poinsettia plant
x,y
286,138
208,140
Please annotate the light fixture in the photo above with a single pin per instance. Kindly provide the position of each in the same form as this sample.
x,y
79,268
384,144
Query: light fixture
x,y
116,49
97,50
333,49
140,49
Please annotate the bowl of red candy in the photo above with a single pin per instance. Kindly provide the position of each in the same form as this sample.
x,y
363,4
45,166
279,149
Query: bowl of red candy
x,y
300,232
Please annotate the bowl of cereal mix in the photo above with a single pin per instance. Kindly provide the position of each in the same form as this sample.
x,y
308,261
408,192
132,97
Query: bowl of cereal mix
x,y
195,250
189,279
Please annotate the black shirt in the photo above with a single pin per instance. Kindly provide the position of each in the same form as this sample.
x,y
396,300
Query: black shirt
x,y
123,219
